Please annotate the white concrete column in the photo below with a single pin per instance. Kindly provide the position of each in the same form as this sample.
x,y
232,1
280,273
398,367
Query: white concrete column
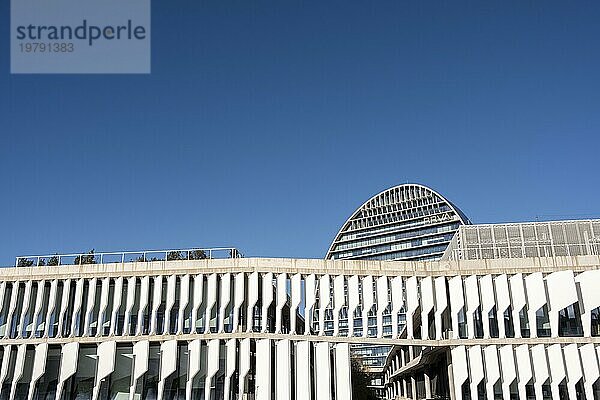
x,y
130,300
211,300
322,371
343,379
324,301
557,368
91,299
427,303
509,372
441,303
197,302
156,300
412,303
338,303
39,367
64,303
283,370
502,304
244,359
281,301
310,290
488,302
184,298
68,365
39,302
106,365
230,359
472,293
303,378
590,368
492,369
382,302
263,369
239,294
18,369
252,299
353,302
140,364
144,294
540,368
168,364
212,365
267,300
51,307
427,377
194,353
573,368
397,303
77,305
477,369
517,292
225,298
102,312
368,301
524,368
296,287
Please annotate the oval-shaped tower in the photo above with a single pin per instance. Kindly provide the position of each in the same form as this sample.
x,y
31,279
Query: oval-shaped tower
x,y
405,222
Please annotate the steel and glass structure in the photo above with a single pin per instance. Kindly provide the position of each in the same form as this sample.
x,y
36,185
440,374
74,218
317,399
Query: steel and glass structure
x,y
187,327
405,222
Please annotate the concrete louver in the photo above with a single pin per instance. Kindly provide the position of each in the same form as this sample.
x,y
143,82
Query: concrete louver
x,y
218,329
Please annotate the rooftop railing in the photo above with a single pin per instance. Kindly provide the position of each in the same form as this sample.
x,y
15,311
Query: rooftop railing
x,y
127,256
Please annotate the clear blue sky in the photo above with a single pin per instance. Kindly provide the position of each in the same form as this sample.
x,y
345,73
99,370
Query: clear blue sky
x,y
265,124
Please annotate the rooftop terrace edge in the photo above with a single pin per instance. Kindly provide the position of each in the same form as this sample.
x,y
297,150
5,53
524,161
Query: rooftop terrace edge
x,y
311,266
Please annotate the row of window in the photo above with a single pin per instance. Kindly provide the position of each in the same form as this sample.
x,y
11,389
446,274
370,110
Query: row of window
x,y
402,215
221,303
422,241
133,306
166,369
428,251
371,241
412,219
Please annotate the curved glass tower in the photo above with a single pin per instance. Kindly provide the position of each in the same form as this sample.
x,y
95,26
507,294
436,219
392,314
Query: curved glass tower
x,y
405,222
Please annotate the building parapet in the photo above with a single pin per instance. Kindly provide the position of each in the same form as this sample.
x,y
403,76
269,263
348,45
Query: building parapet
x,y
315,266
127,256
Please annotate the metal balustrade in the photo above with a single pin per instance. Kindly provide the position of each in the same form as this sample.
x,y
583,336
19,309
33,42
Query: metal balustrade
x,y
128,256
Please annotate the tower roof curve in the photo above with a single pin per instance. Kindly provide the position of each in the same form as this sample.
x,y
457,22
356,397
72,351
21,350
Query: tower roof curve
x,y
410,201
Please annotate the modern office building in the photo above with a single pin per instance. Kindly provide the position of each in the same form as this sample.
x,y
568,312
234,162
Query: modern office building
x,y
520,318
507,319
405,222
